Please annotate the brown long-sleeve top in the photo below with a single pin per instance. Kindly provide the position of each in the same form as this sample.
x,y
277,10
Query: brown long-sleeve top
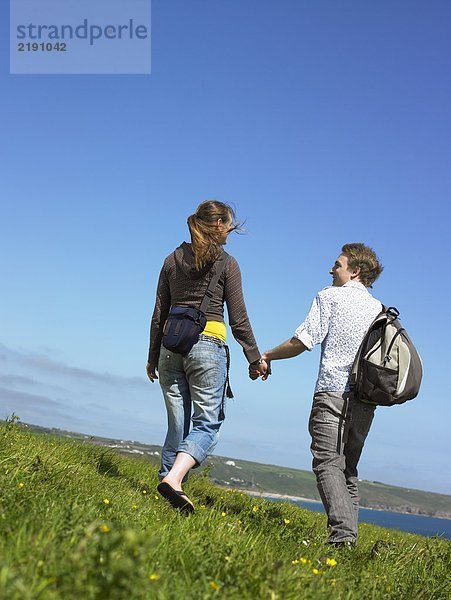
x,y
180,284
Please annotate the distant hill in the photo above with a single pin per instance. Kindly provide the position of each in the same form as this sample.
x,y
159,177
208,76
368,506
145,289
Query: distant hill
x,y
272,479
269,479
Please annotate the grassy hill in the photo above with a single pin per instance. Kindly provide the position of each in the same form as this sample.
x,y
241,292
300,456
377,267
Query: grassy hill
x,y
257,477
78,520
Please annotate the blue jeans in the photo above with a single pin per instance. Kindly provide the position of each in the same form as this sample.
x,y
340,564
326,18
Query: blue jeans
x,y
339,427
194,389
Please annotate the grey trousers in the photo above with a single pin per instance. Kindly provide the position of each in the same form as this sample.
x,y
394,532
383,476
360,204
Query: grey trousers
x,y
339,428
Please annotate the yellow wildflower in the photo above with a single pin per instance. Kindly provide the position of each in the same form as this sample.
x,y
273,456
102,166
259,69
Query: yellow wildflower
x,y
315,571
295,562
255,509
104,528
106,501
154,577
223,514
333,582
286,521
156,497
214,586
227,558
20,485
303,561
331,562
134,506
144,491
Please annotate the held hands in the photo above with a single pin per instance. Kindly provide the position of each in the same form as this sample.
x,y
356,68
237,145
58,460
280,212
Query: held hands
x,y
151,372
261,369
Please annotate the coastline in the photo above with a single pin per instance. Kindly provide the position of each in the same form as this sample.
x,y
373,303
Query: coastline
x,y
278,496
269,495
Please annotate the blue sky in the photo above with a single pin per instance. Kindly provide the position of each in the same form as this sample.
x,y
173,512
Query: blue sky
x,y
322,122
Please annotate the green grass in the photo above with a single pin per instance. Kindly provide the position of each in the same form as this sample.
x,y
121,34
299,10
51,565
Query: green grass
x,y
272,479
80,521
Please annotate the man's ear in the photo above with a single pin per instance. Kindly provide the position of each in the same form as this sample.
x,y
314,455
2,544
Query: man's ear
x,y
356,273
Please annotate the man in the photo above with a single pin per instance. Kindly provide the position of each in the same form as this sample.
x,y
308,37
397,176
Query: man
x,y
338,320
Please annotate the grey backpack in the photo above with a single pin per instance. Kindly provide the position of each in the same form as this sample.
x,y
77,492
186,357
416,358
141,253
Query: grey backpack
x,y
387,369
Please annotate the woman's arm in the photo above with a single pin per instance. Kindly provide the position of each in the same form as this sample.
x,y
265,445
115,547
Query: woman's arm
x,y
236,308
160,314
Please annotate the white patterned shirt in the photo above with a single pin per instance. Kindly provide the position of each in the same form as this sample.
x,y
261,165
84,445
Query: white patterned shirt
x,y
338,320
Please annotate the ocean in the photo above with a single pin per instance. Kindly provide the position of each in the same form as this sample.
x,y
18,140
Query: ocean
x,y
428,526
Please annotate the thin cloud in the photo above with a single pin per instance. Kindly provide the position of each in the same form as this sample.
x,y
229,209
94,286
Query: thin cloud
x,y
45,364
14,380
90,402
24,398
33,407
17,380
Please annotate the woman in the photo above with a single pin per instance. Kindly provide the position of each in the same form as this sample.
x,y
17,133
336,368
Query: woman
x,y
194,385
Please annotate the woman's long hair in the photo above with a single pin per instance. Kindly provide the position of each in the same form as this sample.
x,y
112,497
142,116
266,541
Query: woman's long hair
x,y
206,238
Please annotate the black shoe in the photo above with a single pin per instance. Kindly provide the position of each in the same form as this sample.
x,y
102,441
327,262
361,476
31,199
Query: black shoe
x,y
177,498
338,545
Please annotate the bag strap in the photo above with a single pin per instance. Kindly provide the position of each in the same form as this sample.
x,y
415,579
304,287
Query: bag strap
x,y
220,263
391,313
357,363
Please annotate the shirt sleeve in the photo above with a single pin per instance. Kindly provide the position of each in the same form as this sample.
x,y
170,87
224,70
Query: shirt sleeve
x,y
316,325
236,308
160,314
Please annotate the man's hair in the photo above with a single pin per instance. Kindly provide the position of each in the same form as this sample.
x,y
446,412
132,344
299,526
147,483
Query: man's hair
x,y
362,256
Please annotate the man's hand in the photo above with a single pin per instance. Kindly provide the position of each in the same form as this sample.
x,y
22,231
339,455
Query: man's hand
x,y
268,367
151,372
258,369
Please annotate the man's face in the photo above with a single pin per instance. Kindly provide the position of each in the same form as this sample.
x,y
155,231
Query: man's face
x,y
340,271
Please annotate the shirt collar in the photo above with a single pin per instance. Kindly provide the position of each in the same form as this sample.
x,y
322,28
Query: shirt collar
x,y
355,284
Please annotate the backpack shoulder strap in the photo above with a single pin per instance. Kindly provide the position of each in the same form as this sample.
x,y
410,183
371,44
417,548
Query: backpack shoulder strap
x,y
358,357
220,263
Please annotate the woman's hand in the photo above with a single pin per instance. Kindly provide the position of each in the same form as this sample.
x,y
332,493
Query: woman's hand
x,y
151,372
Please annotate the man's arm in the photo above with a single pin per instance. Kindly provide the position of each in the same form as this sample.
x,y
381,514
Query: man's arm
x,y
289,349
